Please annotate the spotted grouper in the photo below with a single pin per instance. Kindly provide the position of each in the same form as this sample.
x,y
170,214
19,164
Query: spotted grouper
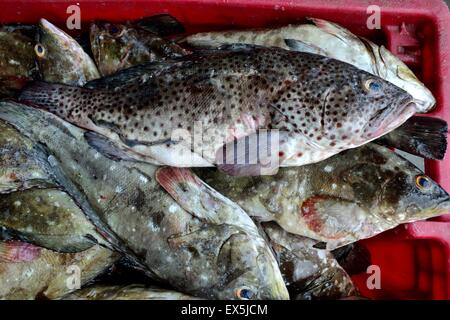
x,y
190,108
354,195
175,228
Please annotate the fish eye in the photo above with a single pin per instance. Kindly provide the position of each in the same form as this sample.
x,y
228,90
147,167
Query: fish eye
x,y
244,294
39,49
372,85
423,182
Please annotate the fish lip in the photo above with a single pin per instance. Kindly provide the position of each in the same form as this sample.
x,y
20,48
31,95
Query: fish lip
x,y
52,31
424,106
444,205
406,109
47,27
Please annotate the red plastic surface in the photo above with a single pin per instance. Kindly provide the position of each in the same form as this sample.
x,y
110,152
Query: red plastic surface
x,y
415,259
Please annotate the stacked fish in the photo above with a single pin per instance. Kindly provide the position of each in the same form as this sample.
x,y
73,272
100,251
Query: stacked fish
x,y
98,137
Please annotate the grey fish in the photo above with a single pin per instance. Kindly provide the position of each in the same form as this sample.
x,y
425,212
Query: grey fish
x,y
309,273
48,218
421,136
351,196
22,162
61,59
119,46
332,40
126,292
323,105
212,250
17,64
32,272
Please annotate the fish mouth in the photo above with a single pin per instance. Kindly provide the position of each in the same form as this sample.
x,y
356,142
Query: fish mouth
x,y
387,119
48,28
415,213
426,105
275,287
443,206
56,35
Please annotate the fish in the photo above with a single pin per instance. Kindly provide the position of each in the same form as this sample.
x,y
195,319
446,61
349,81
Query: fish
x,y
309,273
126,292
17,63
331,40
163,25
188,115
425,137
421,136
202,244
22,162
354,195
48,218
28,30
61,59
354,258
119,46
30,272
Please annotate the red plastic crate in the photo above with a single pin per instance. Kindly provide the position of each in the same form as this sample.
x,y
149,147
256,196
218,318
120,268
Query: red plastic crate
x,y
414,259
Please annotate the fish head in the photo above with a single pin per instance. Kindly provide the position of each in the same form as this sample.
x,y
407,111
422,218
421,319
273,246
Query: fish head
x,y
116,46
251,271
61,58
410,195
355,107
391,187
53,43
382,105
400,75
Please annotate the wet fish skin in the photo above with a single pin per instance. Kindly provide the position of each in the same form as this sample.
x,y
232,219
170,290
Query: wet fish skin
x,y
28,30
422,136
120,46
126,292
17,63
22,162
206,256
31,272
351,196
309,97
332,40
61,59
48,218
309,273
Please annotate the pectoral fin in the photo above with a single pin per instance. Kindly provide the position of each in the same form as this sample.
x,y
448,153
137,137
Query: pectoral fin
x,y
195,196
17,252
107,147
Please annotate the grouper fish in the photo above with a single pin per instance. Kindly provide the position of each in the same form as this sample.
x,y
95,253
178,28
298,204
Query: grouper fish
x,y
199,103
206,247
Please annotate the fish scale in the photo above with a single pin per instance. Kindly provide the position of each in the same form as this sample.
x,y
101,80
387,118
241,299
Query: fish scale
x,y
235,92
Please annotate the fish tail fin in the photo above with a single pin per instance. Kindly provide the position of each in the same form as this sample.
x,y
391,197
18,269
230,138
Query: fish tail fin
x,y
17,251
46,96
421,136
